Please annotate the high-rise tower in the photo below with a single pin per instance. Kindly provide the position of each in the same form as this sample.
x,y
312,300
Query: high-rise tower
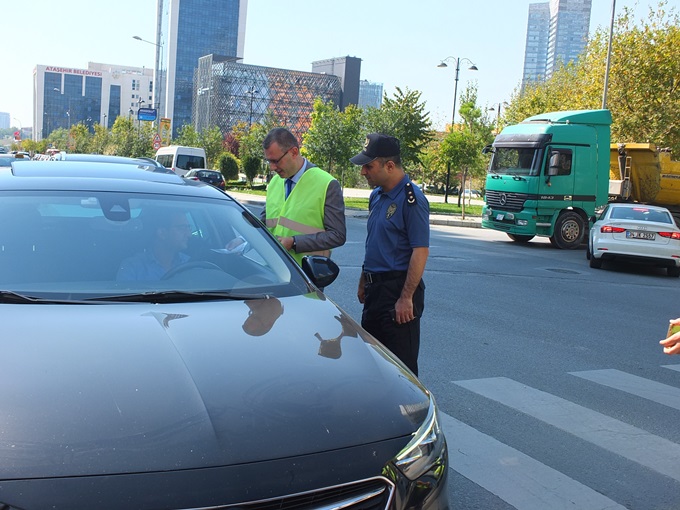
x,y
557,33
186,31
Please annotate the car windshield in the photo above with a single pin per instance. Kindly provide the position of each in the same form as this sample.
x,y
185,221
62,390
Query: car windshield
x,y
641,214
89,245
516,161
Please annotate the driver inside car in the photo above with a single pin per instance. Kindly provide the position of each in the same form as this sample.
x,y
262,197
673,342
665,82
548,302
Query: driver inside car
x,y
170,233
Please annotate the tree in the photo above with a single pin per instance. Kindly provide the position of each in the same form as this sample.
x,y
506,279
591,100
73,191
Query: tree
x,y
462,150
404,117
187,136
228,166
80,139
123,137
100,140
251,167
333,137
212,141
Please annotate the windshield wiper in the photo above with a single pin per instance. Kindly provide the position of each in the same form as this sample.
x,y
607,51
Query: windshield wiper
x,y
8,296
178,296
516,177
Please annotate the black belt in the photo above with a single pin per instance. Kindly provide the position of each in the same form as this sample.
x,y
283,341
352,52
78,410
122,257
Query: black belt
x,y
384,276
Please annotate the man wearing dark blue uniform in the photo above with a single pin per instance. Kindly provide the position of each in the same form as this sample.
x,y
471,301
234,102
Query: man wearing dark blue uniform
x,y
397,246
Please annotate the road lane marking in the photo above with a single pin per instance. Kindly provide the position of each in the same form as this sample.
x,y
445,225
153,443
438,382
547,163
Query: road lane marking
x,y
634,385
613,435
672,367
516,478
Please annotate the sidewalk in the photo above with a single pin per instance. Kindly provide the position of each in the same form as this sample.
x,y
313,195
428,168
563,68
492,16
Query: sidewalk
x,y
450,220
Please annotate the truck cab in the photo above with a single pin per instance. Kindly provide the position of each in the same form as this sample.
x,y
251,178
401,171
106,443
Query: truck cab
x,y
548,175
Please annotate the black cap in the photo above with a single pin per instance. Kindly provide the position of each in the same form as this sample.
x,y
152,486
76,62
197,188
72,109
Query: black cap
x,y
377,146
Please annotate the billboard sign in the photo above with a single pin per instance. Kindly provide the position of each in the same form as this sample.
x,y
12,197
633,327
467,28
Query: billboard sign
x,y
147,114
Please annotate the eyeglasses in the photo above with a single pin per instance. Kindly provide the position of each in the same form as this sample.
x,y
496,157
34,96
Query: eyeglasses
x,y
276,161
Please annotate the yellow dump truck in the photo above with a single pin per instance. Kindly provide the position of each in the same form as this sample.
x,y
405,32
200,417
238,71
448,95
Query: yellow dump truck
x,y
642,172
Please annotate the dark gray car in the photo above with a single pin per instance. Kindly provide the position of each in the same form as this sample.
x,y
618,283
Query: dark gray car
x,y
216,377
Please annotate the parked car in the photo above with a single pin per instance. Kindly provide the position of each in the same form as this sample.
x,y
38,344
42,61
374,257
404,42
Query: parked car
x,y
472,193
634,232
227,381
210,176
143,163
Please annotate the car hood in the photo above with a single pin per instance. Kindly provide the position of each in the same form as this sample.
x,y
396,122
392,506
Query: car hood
x,y
122,388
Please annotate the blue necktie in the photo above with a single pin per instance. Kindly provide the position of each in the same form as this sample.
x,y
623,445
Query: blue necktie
x,y
289,186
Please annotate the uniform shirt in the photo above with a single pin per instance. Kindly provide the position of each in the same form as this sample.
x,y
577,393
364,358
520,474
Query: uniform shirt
x,y
145,267
395,227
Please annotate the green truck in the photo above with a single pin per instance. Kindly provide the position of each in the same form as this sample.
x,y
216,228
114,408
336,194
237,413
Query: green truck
x,y
548,175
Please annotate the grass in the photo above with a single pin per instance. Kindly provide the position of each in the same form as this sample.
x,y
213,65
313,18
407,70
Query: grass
x,y
435,207
362,203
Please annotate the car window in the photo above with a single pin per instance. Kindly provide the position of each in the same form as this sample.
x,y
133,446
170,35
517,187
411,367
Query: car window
x,y
640,214
77,244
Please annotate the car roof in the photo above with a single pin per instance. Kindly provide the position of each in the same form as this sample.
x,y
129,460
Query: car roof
x,y
98,176
638,206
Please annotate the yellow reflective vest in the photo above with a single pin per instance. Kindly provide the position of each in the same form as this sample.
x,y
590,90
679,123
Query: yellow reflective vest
x,y
303,211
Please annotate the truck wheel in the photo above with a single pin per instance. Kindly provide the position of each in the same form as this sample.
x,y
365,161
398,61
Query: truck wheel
x,y
569,231
519,238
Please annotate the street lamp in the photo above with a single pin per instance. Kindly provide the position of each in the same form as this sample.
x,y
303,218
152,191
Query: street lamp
x,y
472,67
158,65
498,114
458,60
251,91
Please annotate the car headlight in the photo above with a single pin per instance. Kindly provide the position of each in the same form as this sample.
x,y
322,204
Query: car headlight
x,y
425,448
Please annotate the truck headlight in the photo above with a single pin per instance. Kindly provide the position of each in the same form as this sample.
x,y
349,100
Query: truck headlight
x,y
425,448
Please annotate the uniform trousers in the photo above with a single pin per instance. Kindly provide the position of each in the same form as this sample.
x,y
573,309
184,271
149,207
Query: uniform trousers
x,y
378,319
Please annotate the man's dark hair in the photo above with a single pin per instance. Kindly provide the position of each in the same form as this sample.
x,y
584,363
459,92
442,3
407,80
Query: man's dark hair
x,y
284,138
395,159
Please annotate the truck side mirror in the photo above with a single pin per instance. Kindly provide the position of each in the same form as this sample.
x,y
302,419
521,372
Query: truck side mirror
x,y
487,149
554,167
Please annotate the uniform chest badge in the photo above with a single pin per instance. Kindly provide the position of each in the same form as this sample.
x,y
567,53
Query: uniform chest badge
x,y
391,210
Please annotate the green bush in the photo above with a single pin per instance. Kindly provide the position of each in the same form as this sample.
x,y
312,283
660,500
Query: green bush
x,y
228,165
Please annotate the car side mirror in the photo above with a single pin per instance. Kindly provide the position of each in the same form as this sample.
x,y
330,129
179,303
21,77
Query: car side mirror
x,y
321,270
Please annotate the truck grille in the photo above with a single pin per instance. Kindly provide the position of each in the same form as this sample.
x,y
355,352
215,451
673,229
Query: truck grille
x,y
506,201
372,494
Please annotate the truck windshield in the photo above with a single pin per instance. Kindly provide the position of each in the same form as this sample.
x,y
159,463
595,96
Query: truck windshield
x,y
516,161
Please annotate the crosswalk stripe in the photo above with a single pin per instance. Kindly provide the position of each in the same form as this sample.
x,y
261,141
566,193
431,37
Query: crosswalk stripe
x,y
608,433
514,477
672,367
635,385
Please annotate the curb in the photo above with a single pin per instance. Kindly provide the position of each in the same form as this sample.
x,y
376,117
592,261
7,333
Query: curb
x,y
438,219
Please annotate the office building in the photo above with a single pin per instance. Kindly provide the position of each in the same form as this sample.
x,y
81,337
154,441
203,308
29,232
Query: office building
x,y
4,120
536,47
64,96
186,31
557,33
370,94
229,92
348,69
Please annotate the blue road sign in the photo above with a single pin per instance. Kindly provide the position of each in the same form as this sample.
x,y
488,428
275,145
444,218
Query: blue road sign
x,y
147,114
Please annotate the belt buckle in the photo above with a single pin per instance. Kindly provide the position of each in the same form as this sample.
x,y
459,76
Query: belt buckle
x,y
368,277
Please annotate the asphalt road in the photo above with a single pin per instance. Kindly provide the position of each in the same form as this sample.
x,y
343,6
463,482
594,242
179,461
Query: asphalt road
x,y
553,389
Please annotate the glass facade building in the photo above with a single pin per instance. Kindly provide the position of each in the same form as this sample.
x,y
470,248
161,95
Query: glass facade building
x,y
64,97
370,94
187,31
557,33
227,92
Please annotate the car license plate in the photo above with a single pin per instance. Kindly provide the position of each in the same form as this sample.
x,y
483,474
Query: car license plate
x,y
636,234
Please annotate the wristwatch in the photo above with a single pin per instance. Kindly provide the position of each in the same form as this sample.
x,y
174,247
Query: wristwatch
x,y
294,246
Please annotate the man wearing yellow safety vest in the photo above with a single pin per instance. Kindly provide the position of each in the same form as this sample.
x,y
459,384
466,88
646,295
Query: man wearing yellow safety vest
x,y
304,209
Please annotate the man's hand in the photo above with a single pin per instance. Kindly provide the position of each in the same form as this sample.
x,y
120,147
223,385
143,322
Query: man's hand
x,y
286,242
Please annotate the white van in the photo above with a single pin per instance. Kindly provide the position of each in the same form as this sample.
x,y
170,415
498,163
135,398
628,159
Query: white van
x,y
181,159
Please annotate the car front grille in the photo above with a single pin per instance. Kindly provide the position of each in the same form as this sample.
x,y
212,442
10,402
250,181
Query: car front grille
x,y
372,494
506,201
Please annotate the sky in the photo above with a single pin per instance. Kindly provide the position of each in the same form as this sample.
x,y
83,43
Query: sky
x,y
400,42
